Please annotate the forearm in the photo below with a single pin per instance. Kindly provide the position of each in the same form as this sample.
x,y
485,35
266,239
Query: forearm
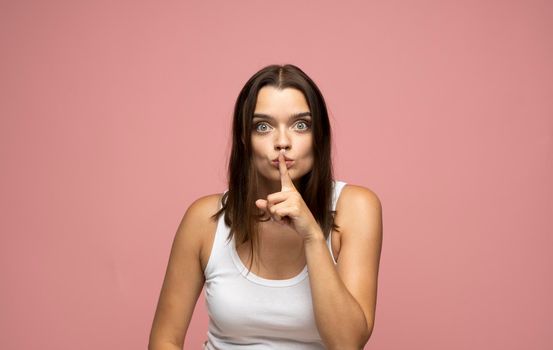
x,y
340,320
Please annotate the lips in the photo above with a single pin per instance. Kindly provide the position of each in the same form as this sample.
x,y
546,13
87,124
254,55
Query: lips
x,y
288,163
285,158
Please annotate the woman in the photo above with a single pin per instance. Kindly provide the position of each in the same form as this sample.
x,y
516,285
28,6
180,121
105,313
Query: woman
x,y
289,256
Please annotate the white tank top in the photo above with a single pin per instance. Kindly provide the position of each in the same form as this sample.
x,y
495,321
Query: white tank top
x,y
251,312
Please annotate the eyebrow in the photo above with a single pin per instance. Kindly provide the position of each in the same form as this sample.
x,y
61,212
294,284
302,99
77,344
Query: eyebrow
x,y
293,116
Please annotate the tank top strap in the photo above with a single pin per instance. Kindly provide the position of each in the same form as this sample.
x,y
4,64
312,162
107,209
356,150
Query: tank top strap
x,y
337,186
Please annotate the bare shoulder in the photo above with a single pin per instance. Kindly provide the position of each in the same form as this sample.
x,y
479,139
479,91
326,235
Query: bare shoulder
x,y
356,201
202,226
354,195
204,207
197,222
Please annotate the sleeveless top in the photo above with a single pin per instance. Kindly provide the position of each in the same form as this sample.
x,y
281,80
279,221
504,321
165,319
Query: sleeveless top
x,y
250,312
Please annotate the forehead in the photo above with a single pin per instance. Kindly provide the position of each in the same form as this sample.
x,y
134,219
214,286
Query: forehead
x,y
271,99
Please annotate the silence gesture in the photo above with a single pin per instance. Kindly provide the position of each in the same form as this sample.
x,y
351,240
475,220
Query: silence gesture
x,y
287,207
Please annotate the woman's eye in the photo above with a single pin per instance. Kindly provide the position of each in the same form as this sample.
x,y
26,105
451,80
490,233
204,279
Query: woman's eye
x,y
304,123
258,125
263,127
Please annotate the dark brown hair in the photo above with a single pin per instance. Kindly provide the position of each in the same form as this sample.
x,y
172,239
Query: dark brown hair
x,y
238,203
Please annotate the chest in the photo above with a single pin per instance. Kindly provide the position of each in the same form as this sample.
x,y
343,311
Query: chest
x,y
281,254
243,310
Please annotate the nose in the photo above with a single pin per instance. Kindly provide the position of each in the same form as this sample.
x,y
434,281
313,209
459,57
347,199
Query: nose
x,y
282,141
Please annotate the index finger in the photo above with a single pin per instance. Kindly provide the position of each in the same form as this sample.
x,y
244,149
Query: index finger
x,y
285,179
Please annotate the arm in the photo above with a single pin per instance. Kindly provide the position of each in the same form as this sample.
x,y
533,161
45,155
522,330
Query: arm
x,y
184,278
344,296
164,346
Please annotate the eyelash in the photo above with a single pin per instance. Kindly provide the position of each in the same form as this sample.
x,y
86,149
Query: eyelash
x,y
307,123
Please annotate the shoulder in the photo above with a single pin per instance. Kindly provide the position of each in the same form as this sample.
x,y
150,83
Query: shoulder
x,y
203,207
358,205
355,196
197,223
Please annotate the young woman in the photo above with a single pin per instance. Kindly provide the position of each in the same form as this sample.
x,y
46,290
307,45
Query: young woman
x,y
289,256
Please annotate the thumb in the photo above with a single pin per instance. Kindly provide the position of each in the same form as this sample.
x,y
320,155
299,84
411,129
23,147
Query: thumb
x,y
261,204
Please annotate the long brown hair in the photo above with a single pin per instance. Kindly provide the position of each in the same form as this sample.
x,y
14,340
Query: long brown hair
x,y
238,202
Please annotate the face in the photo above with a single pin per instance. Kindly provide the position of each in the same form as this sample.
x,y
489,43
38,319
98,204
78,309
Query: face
x,y
281,120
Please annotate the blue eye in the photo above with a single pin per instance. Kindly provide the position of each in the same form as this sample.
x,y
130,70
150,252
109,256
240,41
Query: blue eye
x,y
257,126
306,125
263,131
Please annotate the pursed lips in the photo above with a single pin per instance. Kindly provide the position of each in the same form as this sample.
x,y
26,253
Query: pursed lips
x,y
288,163
285,158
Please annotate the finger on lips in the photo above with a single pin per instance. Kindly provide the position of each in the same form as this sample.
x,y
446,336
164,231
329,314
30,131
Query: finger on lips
x,y
285,180
286,185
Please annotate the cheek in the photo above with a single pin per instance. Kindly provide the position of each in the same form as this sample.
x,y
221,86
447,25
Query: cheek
x,y
259,147
306,147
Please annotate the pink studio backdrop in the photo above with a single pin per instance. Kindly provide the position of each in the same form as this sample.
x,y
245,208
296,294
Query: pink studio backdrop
x,y
115,116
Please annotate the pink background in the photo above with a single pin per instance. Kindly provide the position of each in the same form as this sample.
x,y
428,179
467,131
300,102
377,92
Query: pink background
x,y
115,116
